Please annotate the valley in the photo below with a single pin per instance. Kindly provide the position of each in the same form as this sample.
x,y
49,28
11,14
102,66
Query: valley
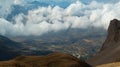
x,y
79,42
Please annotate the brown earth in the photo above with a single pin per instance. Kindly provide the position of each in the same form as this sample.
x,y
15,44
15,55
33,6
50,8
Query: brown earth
x,y
116,64
51,60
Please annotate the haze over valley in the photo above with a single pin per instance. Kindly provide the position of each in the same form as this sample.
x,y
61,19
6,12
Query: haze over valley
x,y
74,30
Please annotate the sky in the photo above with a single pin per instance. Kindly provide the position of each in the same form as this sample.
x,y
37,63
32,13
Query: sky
x,y
42,19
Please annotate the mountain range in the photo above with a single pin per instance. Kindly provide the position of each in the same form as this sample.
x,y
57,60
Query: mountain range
x,y
81,43
10,49
18,9
108,55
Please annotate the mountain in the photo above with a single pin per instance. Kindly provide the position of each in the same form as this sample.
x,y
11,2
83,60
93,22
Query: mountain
x,y
110,51
51,60
82,43
62,4
8,48
19,9
37,3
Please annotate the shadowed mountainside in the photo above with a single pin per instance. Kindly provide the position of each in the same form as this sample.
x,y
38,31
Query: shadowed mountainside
x,y
110,51
8,48
51,60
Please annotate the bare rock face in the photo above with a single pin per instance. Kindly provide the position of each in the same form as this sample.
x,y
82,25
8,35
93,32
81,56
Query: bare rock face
x,y
51,60
110,51
113,34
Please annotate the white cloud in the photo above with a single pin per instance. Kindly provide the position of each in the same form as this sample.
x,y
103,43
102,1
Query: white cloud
x,y
19,2
6,6
77,15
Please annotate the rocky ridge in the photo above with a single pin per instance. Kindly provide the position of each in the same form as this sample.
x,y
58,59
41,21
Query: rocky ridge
x,y
110,51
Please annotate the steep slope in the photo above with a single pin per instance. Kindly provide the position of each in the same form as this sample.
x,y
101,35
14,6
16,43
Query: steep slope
x,y
51,60
8,48
110,51
113,37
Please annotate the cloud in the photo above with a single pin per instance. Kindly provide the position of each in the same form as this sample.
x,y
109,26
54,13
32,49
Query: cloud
x,y
108,1
19,2
6,6
46,19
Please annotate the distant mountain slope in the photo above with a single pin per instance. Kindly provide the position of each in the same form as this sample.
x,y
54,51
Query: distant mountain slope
x,y
8,48
110,51
7,42
18,9
82,43
51,60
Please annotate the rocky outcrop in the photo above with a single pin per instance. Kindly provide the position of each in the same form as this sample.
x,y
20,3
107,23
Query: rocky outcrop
x,y
113,34
51,60
110,51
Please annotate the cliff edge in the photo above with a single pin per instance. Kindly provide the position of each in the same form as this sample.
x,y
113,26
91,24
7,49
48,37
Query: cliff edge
x,y
110,51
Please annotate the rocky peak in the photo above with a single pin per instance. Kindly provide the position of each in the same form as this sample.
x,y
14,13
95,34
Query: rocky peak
x,y
113,34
